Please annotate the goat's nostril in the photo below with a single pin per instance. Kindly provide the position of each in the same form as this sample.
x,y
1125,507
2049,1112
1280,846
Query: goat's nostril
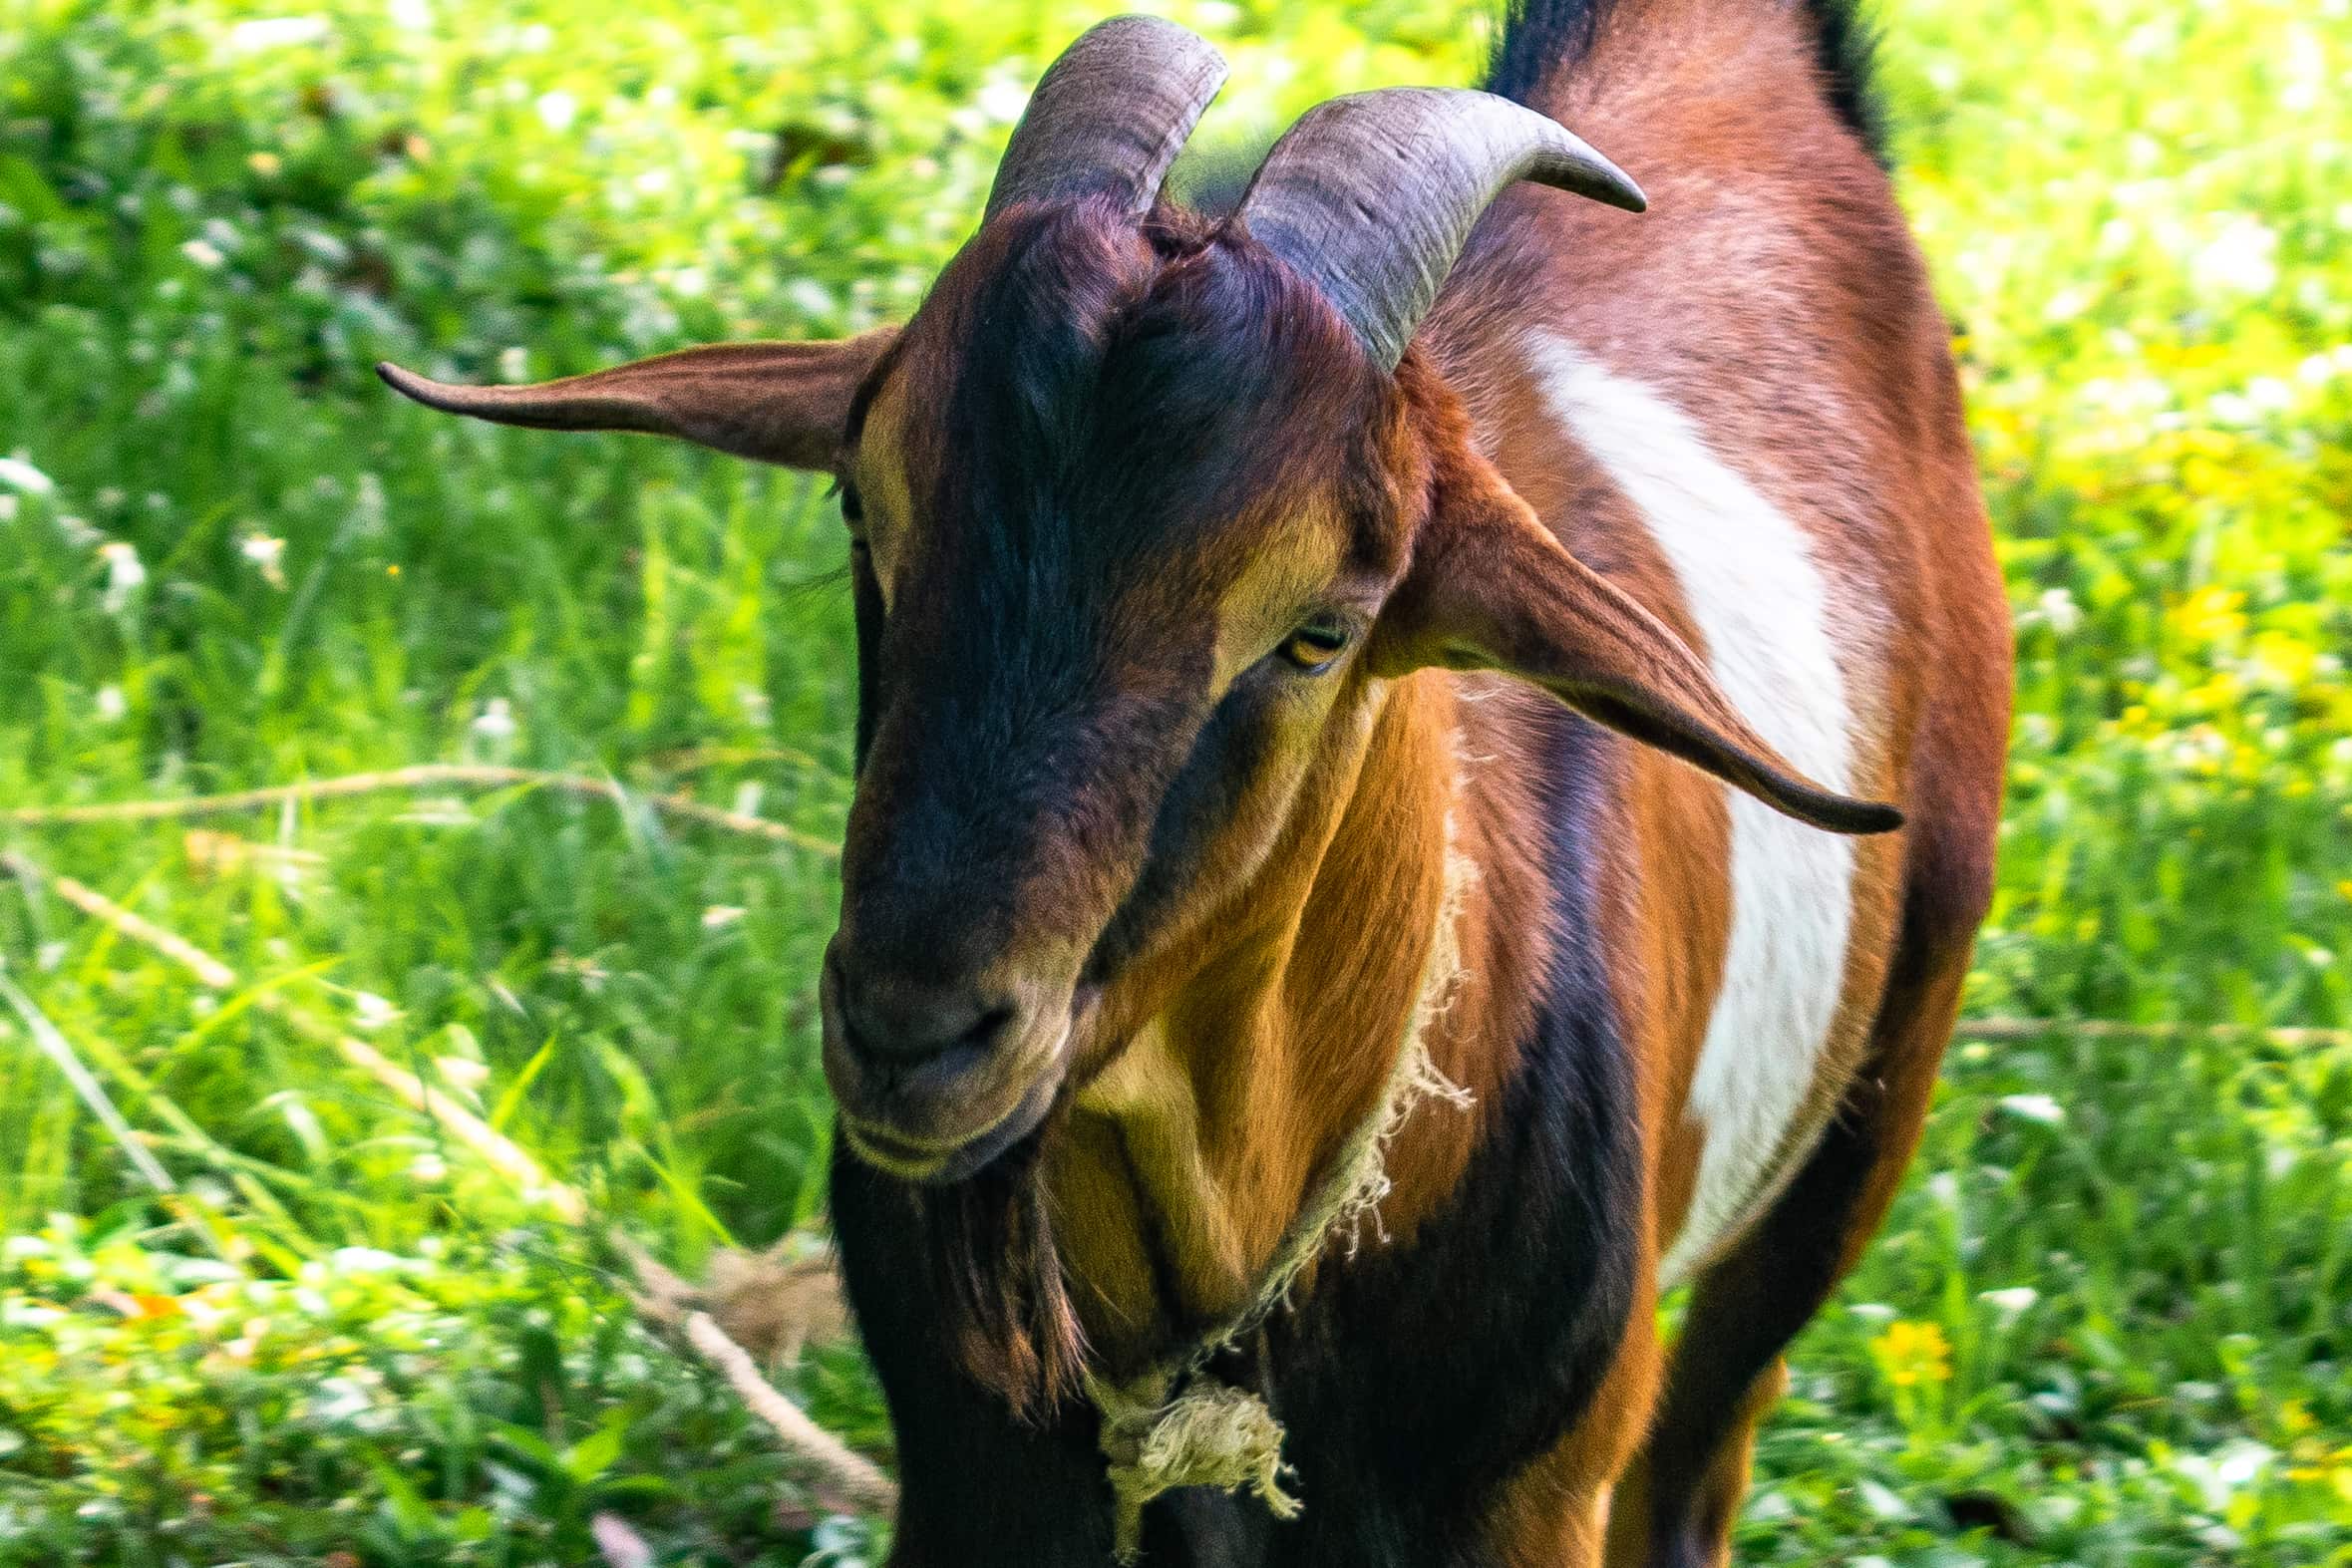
x,y
901,1023
988,1028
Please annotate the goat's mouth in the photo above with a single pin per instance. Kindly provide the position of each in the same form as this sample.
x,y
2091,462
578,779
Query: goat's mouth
x,y
945,1119
938,1164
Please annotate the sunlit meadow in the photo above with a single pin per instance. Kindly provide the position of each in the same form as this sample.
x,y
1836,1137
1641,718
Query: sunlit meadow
x,y
2110,1320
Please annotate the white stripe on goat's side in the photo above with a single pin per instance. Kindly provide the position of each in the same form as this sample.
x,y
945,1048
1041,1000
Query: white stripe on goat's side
x,y
1756,594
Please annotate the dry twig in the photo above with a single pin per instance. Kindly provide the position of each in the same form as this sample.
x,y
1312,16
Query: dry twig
x,y
498,1152
209,971
853,1476
2001,1029
424,776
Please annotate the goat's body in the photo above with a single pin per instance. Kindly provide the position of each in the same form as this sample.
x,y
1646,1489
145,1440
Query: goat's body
x,y
1701,1035
1743,408
1184,835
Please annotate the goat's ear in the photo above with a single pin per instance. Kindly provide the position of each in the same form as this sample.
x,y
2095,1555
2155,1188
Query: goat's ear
x,y
781,403
1490,588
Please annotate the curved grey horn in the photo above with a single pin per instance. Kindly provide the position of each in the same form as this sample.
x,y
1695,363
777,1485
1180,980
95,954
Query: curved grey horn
x,y
1109,115
1372,196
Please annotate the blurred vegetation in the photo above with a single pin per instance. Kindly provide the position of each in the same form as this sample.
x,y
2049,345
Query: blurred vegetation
x,y
2110,1321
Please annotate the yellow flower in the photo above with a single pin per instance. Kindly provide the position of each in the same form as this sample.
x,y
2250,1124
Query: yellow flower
x,y
2217,689
2333,1471
1909,1353
2210,616
2286,661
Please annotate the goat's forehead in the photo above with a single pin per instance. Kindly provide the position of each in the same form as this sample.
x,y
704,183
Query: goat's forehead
x,y
1169,413
1086,429
1186,529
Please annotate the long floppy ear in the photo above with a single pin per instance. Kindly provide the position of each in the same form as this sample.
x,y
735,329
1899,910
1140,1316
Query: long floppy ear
x,y
781,403
1490,588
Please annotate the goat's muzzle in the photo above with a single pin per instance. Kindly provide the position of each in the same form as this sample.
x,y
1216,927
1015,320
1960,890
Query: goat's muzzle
x,y
937,1075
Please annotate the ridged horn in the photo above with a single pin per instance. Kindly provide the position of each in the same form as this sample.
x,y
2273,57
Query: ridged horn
x,y
1109,115
1372,196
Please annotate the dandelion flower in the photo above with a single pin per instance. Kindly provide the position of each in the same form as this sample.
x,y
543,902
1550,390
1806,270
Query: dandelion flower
x,y
1911,1354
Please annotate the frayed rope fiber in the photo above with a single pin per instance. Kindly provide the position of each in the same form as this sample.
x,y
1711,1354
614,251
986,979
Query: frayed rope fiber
x,y
1212,1435
1177,1425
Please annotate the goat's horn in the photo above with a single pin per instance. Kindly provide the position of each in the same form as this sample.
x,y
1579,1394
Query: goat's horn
x,y
1372,196
1110,115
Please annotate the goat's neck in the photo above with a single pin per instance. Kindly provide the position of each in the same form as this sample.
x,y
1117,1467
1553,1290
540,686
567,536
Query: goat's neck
x,y
1183,1164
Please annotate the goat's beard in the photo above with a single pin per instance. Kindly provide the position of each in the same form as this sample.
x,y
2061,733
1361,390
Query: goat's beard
x,y
997,1275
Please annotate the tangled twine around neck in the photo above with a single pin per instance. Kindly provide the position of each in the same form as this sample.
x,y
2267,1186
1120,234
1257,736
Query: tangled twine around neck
x,y
1177,1423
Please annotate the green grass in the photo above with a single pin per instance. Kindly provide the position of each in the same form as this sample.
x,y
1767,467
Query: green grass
x,y
212,221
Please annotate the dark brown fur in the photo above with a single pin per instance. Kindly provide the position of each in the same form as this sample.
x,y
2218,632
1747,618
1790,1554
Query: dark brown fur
x,y
1103,475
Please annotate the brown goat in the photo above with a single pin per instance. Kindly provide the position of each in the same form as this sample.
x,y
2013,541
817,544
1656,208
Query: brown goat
x,y
1282,640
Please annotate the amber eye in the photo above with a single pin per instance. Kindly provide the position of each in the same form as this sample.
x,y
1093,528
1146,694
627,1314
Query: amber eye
x,y
1316,643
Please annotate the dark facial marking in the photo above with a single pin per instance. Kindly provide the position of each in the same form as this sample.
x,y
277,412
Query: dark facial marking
x,y
1198,804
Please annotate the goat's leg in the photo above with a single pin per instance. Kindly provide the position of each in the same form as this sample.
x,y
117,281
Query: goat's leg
x,y
1682,1495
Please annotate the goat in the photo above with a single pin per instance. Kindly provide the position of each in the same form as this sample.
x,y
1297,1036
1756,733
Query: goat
x,y
1428,764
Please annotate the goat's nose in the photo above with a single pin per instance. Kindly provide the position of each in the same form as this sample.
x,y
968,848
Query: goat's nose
x,y
895,1020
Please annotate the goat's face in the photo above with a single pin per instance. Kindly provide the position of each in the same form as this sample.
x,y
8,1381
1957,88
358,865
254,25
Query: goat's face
x,y
1125,510
1145,509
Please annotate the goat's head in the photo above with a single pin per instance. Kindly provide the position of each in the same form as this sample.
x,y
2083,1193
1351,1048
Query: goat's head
x,y
1144,512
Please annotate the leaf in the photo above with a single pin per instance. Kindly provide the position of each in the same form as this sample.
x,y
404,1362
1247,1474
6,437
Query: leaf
x,y
511,1097
403,1503
593,1454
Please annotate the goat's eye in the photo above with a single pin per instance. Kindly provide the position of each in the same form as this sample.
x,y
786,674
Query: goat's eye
x,y
1316,643
852,509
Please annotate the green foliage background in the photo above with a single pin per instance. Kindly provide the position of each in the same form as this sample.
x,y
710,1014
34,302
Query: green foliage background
x,y
2111,1319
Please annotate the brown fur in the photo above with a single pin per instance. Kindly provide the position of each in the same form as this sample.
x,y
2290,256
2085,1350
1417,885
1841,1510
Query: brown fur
x,y
1773,293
